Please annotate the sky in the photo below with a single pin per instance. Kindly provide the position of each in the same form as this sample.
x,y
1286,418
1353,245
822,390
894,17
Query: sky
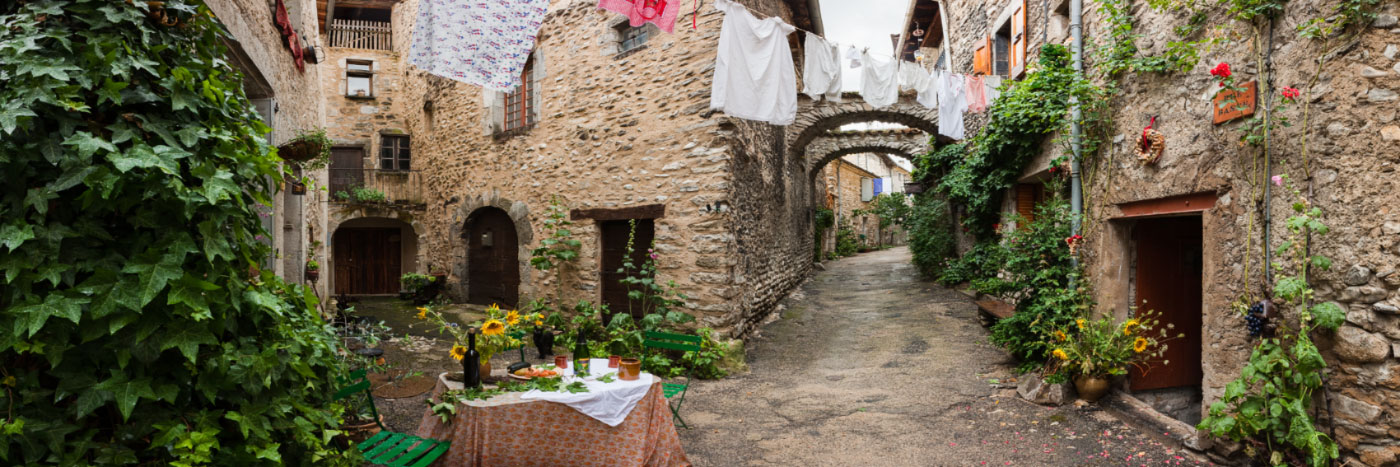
x,y
864,24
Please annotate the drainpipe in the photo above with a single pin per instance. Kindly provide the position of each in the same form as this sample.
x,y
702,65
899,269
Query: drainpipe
x,y
1076,191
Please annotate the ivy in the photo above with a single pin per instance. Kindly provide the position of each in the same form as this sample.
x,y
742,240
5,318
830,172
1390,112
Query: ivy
x,y
135,325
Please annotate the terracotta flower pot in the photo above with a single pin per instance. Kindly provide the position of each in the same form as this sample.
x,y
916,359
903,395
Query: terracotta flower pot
x,y
629,369
1091,388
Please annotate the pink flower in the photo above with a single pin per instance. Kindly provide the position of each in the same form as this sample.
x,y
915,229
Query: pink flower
x,y
1278,180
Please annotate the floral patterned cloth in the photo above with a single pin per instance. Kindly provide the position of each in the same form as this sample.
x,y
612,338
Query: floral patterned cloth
x,y
505,430
480,42
662,13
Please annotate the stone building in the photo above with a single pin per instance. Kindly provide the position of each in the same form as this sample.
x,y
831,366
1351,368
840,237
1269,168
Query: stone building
x,y
1188,235
278,87
851,183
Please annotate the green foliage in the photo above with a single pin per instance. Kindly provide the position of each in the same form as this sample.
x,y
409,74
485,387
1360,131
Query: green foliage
x,y
316,138
891,208
363,195
983,260
846,242
1346,14
1274,392
560,247
658,300
134,324
822,219
931,238
1103,347
413,282
1121,52
623,336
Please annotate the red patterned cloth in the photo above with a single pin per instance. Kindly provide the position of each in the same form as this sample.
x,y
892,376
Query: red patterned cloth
x,y
662,13
505,430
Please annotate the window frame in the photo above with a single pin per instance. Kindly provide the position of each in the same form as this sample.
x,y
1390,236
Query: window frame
x,y
367,74
627,32
396,152
518,110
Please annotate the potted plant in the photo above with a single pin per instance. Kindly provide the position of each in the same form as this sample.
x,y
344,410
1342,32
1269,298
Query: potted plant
x,y
313,270
1093,351
309,150
494,333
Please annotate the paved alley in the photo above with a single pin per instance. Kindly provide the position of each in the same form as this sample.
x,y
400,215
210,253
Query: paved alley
x,y
869,365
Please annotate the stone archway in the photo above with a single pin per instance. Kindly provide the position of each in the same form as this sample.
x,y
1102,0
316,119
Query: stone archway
x,y
907,144
519,214
817,119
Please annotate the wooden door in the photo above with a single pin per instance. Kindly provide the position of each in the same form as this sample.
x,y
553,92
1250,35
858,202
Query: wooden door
x,y
493,266
614,236
367,260
1169,281
347,169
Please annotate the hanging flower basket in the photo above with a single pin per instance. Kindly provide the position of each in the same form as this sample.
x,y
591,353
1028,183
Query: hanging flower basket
x,y
310,150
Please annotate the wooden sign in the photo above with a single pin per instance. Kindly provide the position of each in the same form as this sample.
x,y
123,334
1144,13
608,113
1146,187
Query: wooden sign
x,y
1231,105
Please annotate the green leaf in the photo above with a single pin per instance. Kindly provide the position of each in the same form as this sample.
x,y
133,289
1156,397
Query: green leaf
x,y
33,316
111,91
9,116
1321,262
187,336
154,273
87,144
126,392
12,236
1328,315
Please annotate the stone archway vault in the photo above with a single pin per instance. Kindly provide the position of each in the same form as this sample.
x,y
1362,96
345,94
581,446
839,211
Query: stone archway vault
x,y
818,119
908,144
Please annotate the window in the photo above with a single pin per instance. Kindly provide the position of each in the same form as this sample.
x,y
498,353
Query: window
x,y
1007,57
631,38
393,153
1028,195
1001,46
519,105
359,78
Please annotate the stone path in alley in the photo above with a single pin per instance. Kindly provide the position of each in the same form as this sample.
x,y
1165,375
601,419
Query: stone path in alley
x,y
868,365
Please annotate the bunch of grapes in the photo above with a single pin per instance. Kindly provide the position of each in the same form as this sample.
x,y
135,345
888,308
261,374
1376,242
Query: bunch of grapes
x,y
1254,320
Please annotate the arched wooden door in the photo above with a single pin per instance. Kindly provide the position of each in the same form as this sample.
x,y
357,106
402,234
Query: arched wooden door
x,y
493,266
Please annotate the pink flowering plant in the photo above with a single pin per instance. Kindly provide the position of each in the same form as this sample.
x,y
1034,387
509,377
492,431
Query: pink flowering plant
x,y
659,302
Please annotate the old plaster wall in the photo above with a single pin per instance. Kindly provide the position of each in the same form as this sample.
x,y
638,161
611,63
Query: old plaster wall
x,y
1354,144
613,131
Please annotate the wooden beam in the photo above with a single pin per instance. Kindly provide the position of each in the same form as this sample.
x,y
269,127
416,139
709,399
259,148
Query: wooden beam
x,y
1195,202
650,211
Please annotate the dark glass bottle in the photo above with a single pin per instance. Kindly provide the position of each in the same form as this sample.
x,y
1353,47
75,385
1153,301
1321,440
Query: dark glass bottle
x,y
580,356
471,363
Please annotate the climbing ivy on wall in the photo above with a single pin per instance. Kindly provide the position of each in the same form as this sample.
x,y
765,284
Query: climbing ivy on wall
x,y
135,325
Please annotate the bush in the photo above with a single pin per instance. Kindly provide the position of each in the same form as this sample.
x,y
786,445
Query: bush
x,y
931,235
984,260
823,219
846,242
413,282
135,327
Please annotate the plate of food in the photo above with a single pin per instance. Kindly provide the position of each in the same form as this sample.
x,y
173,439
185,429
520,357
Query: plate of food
x,y
532,372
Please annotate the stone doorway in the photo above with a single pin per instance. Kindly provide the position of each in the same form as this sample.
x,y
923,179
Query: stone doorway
x,y
367,260
493,275
1168,276
615,234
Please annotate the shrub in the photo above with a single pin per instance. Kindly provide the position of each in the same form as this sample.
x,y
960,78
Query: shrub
x,y
413,282
846,242
135,326
931,235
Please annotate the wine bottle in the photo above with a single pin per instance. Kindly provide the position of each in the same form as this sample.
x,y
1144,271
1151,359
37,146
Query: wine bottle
x,y
471,363
580,356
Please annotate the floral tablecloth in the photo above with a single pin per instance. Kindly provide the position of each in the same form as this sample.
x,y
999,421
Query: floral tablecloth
x,y
505,430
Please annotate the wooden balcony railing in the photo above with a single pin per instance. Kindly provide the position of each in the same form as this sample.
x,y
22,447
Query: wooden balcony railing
x,y
364,186
360,34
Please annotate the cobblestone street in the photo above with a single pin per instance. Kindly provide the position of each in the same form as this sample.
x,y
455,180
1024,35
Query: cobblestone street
x,y
868,365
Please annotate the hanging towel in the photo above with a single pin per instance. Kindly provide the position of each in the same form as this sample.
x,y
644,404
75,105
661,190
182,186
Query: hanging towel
x,y
879,84
976,93
911,76
821,72
952,101
754,76
928,93
479,42
992,85
662,13
854,55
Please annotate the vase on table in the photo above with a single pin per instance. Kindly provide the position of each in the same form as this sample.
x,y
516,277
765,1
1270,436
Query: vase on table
x,y
544,342
1091,388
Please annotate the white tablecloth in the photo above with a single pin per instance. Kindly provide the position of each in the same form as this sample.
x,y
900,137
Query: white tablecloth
x,y
607,402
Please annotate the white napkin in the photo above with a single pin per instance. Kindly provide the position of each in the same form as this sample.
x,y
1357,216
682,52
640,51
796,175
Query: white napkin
x,y
607,402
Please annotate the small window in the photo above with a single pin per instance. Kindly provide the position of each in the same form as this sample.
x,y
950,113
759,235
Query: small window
x,y
1001,48
359,78
394,153
631,38
519,105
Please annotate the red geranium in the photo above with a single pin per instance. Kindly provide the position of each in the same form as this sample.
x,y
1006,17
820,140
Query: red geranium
x,y
1290,93
1222,70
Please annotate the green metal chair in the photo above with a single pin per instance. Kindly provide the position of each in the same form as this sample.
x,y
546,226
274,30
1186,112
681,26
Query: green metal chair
x,y
673,391
387,447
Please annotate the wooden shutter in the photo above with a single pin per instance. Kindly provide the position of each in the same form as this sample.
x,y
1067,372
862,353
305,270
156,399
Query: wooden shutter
x,y
1019,38
1027,196
982,58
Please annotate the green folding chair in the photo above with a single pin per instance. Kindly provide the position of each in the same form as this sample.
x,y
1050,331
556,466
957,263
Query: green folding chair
x,y
673,391
387,447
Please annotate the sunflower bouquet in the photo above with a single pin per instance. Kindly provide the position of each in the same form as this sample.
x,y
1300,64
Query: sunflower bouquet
x,y
493,334
1104,347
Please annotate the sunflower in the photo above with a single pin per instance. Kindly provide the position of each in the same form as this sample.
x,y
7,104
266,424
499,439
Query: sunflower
x,y
1061,335
494,308
512,317
1139,345
1079,322
1129,326
539,323
1060,354
493,327
422,312
459,352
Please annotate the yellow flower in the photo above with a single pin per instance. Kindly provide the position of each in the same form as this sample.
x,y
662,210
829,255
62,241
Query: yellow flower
x,y
422,312
539,323
512,317
1060,354
1079,322
1061,335
1139,345
493,327
459,352
1129,326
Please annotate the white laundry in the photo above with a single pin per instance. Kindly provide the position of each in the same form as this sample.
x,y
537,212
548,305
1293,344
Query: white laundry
x,y
879,84
754,76
928,93
855,56
821,72
911,76
952,102
992,83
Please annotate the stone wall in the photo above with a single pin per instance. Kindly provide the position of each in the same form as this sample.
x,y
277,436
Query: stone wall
x,y
1353,140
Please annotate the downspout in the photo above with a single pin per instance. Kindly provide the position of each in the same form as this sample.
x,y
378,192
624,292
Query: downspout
x,y
1076,191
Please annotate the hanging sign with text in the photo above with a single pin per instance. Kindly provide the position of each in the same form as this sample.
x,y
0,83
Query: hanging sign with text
x,y
1230,104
